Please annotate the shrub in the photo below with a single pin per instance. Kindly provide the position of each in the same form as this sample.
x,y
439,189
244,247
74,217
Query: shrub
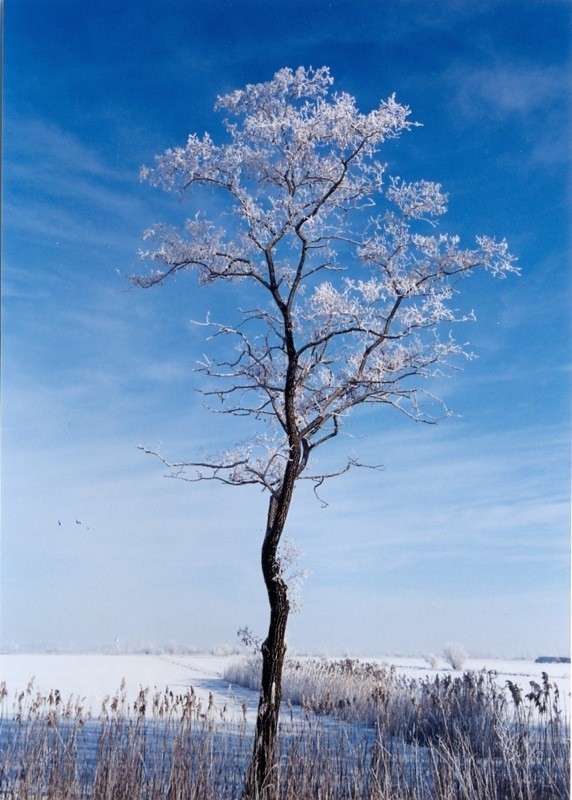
x,y
455,655
223,649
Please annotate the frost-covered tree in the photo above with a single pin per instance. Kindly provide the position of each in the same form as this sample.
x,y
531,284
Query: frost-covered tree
x,y
351,297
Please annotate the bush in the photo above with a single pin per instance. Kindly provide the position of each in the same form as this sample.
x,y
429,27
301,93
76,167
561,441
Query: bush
x,y
223,649
432,660
455,655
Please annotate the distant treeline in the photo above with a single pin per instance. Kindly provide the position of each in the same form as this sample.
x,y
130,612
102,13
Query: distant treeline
x,y
552,660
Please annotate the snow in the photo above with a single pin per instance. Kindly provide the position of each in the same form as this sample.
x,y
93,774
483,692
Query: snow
x,y
92,677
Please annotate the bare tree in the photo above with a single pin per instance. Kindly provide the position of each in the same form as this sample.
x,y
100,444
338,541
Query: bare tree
x,y
351,291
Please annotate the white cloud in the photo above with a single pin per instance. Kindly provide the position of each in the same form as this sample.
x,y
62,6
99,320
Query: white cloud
x,y
505,90
503,493
530,97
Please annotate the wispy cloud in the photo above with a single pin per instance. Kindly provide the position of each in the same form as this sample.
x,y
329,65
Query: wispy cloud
x,y
503,90
62,189
532,97
442,490
38,148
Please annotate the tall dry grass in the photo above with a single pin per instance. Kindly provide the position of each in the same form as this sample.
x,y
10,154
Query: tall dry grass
x,y
359,731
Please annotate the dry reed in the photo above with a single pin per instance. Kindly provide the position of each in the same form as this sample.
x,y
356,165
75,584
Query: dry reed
x,y
361,732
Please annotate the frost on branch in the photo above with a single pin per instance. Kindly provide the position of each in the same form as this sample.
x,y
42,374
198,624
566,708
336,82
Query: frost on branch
x,y
260,461
288,556
351,284
418,199
203,247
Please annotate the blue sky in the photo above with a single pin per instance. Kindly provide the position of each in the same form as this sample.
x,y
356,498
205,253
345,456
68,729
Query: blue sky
x,y
465,534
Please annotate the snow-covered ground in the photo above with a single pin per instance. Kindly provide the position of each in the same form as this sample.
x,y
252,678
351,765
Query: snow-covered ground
x,y
92,677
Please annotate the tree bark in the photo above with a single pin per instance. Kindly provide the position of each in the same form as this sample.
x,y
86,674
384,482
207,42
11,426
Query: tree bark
x,y
261,782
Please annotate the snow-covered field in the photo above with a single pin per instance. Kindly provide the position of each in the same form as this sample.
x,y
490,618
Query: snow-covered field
x,y
93,677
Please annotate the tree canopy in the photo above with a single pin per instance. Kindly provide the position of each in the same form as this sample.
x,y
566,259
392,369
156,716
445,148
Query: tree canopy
x,y
353,284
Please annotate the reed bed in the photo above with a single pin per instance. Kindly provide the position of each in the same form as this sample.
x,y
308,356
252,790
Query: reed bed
x,y
349,730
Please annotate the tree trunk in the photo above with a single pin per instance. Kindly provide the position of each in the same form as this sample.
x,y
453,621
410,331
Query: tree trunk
x,y
261,781
261,784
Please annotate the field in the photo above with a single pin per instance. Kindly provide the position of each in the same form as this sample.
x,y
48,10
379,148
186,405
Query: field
x,y
180,726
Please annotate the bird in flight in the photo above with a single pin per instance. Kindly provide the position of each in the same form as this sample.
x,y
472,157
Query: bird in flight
x,y
77,522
